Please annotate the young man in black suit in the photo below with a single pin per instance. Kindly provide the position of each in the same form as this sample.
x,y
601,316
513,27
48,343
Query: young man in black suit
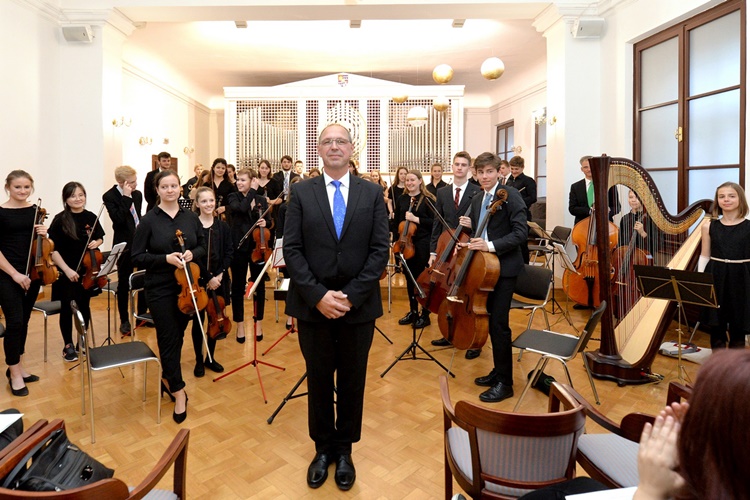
x,y
123,204
149,189
285,175
453,200
579,204
336,247
526,186
505,232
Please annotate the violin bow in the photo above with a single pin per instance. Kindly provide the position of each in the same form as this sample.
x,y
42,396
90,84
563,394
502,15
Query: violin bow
x,y
91,233
33,234
186,268
249,231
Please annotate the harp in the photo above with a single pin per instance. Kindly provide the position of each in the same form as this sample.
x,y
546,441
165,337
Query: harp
x,y
628,346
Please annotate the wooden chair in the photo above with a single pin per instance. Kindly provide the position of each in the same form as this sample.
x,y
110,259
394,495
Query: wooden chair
x,y
22,438
174,457
611,457
497,454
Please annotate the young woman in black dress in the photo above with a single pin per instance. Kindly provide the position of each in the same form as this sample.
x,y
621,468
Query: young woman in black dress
x,y
221,185
394,193
214,273
69,231
156,249
17,292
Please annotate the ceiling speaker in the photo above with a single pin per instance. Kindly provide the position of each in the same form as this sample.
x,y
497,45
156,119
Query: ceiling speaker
x,y
80,33
591,27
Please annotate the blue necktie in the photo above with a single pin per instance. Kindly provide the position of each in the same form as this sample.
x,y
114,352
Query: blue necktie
x,y
339,208
483,212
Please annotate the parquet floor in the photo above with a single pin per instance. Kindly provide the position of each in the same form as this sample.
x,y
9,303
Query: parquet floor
x,y
235,454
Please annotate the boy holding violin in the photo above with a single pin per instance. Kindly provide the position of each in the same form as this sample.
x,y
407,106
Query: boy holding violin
x,y
75,231
246,207
505,232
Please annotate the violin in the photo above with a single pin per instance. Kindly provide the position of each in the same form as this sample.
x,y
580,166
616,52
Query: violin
x,y
463,317
192,297
624,291
583,287
261,236
39,264
91,264
438,279
219,325
404,244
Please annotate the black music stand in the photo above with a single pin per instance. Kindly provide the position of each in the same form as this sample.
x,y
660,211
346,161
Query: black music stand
x,y
682,287
105,270
412,348
568,265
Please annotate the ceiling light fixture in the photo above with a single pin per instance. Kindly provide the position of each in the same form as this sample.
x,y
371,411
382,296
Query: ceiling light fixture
x,y
355,23
417,116
458,23
442,73
493,68
440,103
241,24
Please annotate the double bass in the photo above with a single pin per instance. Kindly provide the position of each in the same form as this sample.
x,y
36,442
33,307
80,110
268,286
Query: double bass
x,y
583,287
39,264
463,317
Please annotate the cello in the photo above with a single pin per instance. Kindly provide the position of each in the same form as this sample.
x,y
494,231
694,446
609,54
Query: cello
x,y
406,229
219,325
39,264
623,283
463,317
583,287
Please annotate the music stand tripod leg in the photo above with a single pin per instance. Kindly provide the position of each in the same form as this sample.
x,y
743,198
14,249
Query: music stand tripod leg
x,y
290,395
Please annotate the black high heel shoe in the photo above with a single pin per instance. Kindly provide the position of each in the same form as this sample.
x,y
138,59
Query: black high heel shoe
x,y
180,417
164,389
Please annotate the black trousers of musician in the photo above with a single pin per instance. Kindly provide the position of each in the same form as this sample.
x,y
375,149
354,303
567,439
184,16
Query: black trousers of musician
x,y
17,306
170,325
124,270
197,335
335,348
240,264
416,265
65,290
498,304
525,251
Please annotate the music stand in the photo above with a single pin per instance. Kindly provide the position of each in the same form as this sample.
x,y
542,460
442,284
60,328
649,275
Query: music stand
x,y
568,266
682,287
104,271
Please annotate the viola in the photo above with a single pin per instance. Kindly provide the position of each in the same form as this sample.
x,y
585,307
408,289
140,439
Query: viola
x,y
39,264
219,325
438,279
624,291
192,297
404,244
261,236
463,317
583,287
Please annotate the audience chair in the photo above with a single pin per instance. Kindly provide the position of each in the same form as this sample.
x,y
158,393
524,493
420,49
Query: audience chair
x,y
533,284
111,356
174,457
18,441
497,454
610,457
560,346
47,308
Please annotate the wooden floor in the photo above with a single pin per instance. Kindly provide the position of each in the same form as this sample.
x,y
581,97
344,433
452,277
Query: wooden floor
x,y
235,453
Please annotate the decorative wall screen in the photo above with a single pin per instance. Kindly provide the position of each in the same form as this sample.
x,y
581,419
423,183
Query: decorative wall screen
x,y
418,147
266,130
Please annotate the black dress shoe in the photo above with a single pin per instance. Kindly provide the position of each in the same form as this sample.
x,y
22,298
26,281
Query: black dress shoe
x,y
199,371
410,318
441,342
345,473
473,353
488,380
214,366
317,472
423,321
496,393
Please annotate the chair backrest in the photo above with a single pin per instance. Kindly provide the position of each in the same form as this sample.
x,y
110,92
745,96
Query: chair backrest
x,y
513,453
591,325
137,281
80,324
534,282
561,233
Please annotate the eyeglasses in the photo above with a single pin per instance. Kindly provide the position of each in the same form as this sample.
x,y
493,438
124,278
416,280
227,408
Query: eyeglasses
x,y
329,142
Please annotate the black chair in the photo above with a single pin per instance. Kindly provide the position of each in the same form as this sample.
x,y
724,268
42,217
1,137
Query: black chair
x,y
560,346
559,235
47,308
534,287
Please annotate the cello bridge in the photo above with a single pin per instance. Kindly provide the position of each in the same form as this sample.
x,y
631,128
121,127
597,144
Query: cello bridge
x,y
453,298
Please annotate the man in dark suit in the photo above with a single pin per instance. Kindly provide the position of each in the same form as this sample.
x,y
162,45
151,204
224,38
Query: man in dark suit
x,y
526,186
149,189
506,231
336,247
285,175
579,204
452,200
123,204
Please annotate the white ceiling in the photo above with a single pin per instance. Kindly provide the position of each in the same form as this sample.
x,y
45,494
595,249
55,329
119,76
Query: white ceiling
x,y
287,41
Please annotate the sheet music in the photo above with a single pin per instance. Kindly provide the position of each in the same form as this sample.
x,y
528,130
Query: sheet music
x,y
7,419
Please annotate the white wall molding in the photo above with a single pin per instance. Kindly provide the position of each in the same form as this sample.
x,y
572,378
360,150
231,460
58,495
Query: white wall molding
x,y
530,91
138,73
42,9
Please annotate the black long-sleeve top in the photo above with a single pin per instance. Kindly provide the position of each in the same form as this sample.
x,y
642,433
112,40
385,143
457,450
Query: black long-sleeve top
x,y
156,238
219,241
17,226
71,249
423,233
244,211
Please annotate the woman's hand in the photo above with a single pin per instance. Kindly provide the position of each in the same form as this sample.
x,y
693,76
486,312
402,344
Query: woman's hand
x,y
71,275
22,280
658,459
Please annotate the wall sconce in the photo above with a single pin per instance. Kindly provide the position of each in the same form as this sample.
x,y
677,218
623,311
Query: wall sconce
x,y
166,140
540,117
188,150
121,122
517,149
145,141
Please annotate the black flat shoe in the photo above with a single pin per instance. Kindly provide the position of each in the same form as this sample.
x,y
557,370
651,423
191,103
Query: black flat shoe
x,y
472,353
441,342
199,371
486,381
317,472
23,391
180,417
165,389
422,322
28,380
214,366
345,473
496,393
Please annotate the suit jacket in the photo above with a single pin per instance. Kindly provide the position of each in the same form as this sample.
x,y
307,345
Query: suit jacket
x,y
506,229
447,208
578,201
118,208
526,187
317,261
149,190
279,177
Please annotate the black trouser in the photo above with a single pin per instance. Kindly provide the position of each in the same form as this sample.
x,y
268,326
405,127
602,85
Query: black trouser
x,y
240,264
65,290
170,325
334,347
124,270
416,265
16,306
498,305
198,339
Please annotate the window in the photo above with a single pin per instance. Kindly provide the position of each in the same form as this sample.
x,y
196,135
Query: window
x,y
505,141
540,146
